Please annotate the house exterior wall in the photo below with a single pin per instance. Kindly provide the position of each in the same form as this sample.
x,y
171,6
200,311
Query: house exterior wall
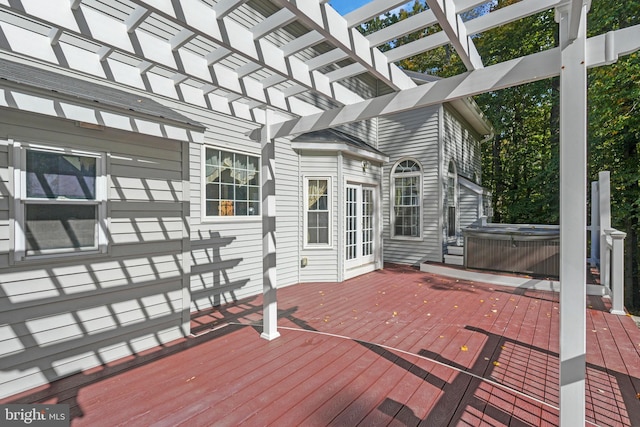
x,y
60,315
321,262
462,147
414,135
468,203
226,252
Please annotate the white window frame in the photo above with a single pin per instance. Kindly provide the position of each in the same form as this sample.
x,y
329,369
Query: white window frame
x,y
21,200
203,186
329,244
393,175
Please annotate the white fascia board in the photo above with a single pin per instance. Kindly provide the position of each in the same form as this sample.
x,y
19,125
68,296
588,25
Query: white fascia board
x,y
371,10
337,147
272,23
508,14
472,114
406,26
478,189
455,29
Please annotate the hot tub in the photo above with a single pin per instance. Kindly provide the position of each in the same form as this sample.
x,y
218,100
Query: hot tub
x,y
514,248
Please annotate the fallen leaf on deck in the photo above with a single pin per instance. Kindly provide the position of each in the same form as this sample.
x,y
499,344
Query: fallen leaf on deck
x,y
464,348
503,347
496,363
441,336
455,306
395,314
494,311
424,301
481,300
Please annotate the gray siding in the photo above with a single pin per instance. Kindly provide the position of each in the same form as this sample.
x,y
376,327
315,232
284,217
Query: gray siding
x,y
461,146
226,253
468,205
322,262
289,205
62,315
413,134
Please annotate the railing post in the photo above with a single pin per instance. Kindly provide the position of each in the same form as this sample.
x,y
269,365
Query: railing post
x,y
604,205
595,225
617,272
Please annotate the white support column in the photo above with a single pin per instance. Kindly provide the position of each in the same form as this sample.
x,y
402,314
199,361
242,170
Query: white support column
x,y
595,224
269,283
573,219
617,272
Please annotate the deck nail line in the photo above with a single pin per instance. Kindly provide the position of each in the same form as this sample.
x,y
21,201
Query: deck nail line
x,y
386,347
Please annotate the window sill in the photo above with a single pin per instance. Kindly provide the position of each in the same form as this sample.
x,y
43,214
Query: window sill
x,y
407,238
60,257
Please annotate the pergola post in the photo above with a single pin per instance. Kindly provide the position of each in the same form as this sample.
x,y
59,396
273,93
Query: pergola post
x,y
573,216
269,284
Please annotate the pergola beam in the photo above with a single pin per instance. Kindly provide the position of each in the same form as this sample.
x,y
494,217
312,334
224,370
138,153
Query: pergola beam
x,y
515,72
325,20
455,29
508,14
406,26
371,10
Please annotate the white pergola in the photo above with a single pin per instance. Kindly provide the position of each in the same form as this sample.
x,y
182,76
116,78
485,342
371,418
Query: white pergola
x,y
293,66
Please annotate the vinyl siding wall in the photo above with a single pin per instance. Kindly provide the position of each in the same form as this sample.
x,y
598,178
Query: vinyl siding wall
x,y
61,315
462,147
468,204
322,263
413,135
226,253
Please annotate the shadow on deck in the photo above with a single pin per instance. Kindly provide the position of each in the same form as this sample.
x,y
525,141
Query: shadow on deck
x,y
393,347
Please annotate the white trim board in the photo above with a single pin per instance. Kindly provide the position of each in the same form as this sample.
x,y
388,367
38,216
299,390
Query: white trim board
x,y
501,280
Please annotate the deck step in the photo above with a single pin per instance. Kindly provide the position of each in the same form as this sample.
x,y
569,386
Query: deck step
x,y
455,250
454,259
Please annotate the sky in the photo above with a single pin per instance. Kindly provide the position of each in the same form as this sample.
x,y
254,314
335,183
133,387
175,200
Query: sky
x,y
345,6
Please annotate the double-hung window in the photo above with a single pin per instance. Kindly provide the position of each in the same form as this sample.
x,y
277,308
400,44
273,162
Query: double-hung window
x,y
60,203
232,184
406,184
317,212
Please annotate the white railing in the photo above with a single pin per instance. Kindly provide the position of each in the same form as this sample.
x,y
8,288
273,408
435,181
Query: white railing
x,y
607,244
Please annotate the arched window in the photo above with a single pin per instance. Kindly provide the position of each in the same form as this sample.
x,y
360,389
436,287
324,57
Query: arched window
x,y
406,190
452,200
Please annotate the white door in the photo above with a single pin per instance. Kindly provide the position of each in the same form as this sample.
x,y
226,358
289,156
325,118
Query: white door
x,y
360,223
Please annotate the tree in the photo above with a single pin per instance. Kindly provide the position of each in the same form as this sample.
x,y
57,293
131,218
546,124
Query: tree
x,y
614,133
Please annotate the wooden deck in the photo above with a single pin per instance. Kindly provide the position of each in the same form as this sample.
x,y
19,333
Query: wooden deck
x,y
395,347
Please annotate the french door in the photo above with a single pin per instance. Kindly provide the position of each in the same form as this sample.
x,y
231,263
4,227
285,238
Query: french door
x,y
360,223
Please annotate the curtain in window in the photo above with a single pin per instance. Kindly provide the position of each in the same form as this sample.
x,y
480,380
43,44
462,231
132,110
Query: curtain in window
x,y
317,189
